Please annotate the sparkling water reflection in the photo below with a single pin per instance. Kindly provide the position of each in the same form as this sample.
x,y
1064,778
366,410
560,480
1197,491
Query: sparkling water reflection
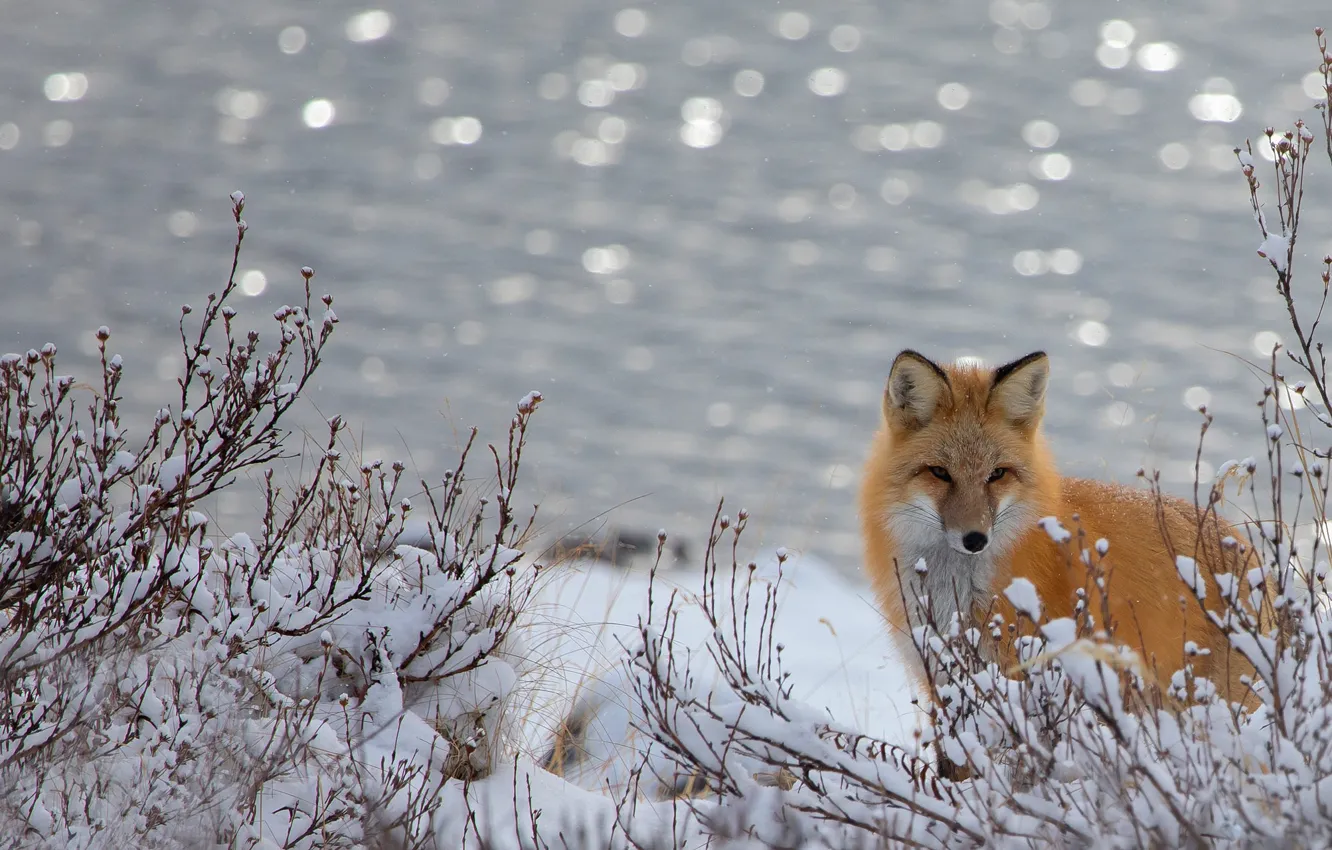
x,y
700,229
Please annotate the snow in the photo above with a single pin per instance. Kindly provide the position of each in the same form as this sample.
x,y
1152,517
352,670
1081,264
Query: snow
x,y
1022,593
1191,576
836,648
529,401
1059,633
171,471
391,743
69,492
1055,529
1275,249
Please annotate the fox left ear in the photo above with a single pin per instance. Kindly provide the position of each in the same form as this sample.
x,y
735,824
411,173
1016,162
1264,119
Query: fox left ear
x,y
916,388
1018,389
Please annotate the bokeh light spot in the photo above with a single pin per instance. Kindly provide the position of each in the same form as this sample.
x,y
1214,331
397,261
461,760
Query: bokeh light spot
x,y
370,25
953,96
793,26
253,282
292,40
318,113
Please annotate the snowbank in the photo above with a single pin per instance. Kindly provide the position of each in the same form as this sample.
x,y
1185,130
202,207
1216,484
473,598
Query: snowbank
x,y
836,649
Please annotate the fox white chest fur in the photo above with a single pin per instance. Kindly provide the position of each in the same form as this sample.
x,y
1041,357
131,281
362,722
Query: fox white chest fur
x,y
948,583
938,582
936,568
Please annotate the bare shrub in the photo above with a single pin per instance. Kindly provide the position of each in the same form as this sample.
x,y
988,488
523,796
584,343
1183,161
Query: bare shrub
x,y
315,684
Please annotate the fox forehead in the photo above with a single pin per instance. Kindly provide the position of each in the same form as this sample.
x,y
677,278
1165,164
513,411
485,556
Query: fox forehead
x,y
964,429
971,383
961,443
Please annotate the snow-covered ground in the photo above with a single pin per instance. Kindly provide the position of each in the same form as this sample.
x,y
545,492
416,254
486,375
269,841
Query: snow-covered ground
x,y
581,630
837,651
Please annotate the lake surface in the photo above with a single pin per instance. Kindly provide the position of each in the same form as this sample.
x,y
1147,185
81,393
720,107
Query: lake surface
x,y
702,230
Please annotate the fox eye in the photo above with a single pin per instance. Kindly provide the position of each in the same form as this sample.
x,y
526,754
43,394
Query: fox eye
x,y
940,473
998,473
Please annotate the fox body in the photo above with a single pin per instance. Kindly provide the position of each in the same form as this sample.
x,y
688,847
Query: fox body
x,y
960,474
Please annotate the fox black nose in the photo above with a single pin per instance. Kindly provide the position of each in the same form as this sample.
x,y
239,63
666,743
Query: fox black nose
x,y
974,541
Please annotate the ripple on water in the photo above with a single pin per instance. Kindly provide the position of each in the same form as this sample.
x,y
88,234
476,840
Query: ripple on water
x,y
704,230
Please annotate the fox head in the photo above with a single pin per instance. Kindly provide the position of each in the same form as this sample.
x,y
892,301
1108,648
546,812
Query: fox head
x,y
966,465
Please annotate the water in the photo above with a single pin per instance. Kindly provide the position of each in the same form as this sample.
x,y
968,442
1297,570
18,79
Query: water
x,y
702,230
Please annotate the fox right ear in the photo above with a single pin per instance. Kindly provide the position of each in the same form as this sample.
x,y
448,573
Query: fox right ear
x,y
1018,390
916,387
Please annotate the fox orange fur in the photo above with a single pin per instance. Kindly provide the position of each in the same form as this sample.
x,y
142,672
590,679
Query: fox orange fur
x,y
959,476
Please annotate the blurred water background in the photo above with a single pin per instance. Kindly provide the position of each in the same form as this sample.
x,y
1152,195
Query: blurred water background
x,y
701,229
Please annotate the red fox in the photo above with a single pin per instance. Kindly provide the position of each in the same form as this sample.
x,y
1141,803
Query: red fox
x,y
959,476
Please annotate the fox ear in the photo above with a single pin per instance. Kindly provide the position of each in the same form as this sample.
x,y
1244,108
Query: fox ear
x,y
1018,390
916,388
